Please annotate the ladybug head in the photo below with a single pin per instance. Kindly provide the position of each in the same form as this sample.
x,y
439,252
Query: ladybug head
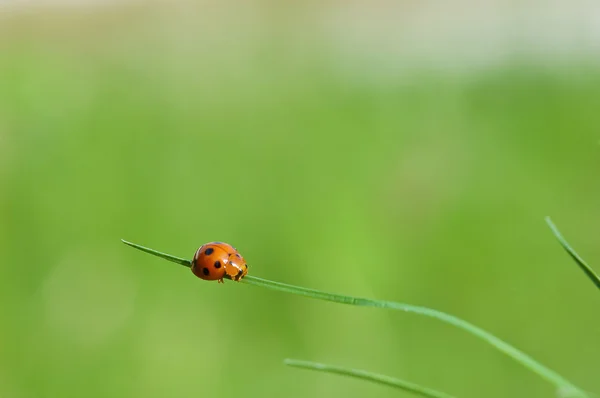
x,y
236,267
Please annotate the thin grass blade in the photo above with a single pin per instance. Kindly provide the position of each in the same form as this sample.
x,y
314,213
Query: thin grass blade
x,y
372,377
168,257
522,358
582,264
549,375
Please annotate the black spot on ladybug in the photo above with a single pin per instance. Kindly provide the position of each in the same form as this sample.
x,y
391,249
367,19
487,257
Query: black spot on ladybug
x,y
209,251
217,264
238,255
205,271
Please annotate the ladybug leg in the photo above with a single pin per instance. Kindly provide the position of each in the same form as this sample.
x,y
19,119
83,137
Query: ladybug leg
x,y
220,280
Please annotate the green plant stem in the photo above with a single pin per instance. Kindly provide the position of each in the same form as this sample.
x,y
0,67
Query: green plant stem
x,y
168,257
499,344
364,375
582,264
524,359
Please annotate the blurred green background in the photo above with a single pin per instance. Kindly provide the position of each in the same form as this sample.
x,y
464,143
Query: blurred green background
x,y
367,175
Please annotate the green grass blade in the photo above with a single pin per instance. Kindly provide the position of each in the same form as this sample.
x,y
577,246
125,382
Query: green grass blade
x,y
551,376
168,257
373,377
499,344
582,264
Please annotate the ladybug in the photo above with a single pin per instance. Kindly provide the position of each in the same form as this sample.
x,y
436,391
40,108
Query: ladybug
x,y
217,260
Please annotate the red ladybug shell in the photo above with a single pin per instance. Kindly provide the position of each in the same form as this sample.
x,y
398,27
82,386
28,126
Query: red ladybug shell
x,y
217,260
